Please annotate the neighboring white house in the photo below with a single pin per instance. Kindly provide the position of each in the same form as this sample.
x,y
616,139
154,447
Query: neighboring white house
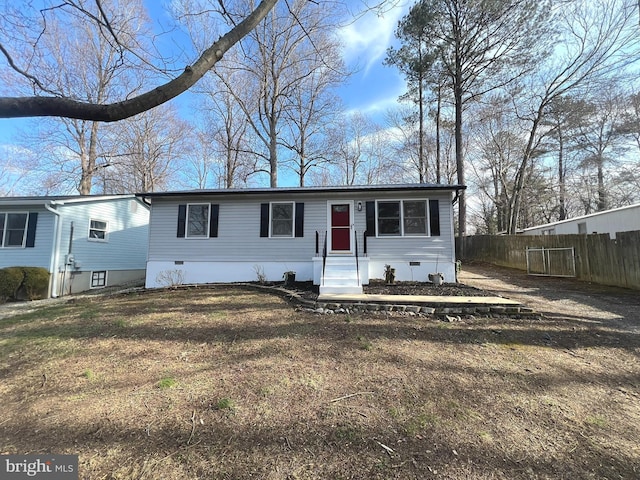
x,y
623,219
339,237
83,241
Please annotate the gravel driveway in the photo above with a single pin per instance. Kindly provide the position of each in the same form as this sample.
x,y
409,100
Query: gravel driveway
x,y
559,298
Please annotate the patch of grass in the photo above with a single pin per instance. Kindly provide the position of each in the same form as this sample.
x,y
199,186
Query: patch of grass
x,y
421,422
89,312
364,344
218,315
167,382
225,404
596,420
121,323
39,315
266,391
88,374
347,433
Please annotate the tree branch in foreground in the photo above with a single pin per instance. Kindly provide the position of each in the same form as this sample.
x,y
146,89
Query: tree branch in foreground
x,y
14,107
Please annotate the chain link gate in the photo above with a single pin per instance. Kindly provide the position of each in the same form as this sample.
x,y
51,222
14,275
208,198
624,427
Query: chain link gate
x,y
551,262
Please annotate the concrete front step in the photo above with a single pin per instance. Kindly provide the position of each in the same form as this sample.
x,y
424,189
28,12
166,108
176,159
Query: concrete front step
x,y
337,289
340,277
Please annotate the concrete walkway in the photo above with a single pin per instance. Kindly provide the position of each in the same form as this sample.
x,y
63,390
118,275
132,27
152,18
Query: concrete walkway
x,y
429,300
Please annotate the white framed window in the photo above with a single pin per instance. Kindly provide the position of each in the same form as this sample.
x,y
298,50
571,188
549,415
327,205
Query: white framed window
x,y
98,230
197,220
13,229
402,218
282,219
99,279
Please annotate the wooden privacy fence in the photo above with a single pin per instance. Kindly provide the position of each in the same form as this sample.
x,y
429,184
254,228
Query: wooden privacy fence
x,y
598,258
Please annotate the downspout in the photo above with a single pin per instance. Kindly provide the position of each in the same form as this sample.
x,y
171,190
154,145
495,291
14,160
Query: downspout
x,y
53,264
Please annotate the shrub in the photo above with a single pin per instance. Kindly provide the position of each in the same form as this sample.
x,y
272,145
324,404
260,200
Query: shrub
x,y
10,281
36,282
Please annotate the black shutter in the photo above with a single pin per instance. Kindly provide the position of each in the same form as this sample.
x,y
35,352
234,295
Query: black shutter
x,y
299,219
371,219
31,229
264,220
214,212
182,220
434,218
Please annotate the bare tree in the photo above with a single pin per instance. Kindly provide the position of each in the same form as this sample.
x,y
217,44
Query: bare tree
x,y
599,40
599,139
77,61
148,149
359,152
289,58
563,118
312,107
480,46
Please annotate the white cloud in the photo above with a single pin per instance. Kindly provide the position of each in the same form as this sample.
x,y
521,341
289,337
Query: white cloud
x,y
366,40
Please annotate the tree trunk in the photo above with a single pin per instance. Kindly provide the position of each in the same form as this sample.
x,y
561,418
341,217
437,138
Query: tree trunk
x,y
561,181
88,161
602,194
421,174
462,203
438,113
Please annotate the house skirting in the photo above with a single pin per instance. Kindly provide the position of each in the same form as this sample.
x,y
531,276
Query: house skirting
x,y
412,271
162,274
71,282
165,274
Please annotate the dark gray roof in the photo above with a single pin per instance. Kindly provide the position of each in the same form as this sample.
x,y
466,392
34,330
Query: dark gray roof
x,y
308,190
61,199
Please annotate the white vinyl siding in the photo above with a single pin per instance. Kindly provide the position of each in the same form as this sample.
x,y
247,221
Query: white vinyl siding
x,y
409,248
40,255
128,232
239,231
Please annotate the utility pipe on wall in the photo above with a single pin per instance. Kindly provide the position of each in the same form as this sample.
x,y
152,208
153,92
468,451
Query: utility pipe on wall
x,y
55,253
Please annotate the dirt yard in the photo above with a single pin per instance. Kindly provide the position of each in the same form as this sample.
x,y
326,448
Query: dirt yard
x,y
232,383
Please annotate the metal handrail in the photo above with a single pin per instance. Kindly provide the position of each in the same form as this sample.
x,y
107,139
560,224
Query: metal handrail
x,y
355,234
324,255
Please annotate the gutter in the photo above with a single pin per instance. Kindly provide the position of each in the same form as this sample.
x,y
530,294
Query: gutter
x,y
457,196
57,234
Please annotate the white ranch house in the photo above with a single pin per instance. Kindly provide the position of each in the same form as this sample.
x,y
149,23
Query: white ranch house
x,y
338,237
84,242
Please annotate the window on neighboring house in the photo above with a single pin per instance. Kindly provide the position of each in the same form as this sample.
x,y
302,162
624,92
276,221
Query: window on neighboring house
x,y
13,229
97,230
198,220
282,219
402,218
582,228
98,279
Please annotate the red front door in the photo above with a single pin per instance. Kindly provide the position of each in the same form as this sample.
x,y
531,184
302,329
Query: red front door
x,y
341,227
